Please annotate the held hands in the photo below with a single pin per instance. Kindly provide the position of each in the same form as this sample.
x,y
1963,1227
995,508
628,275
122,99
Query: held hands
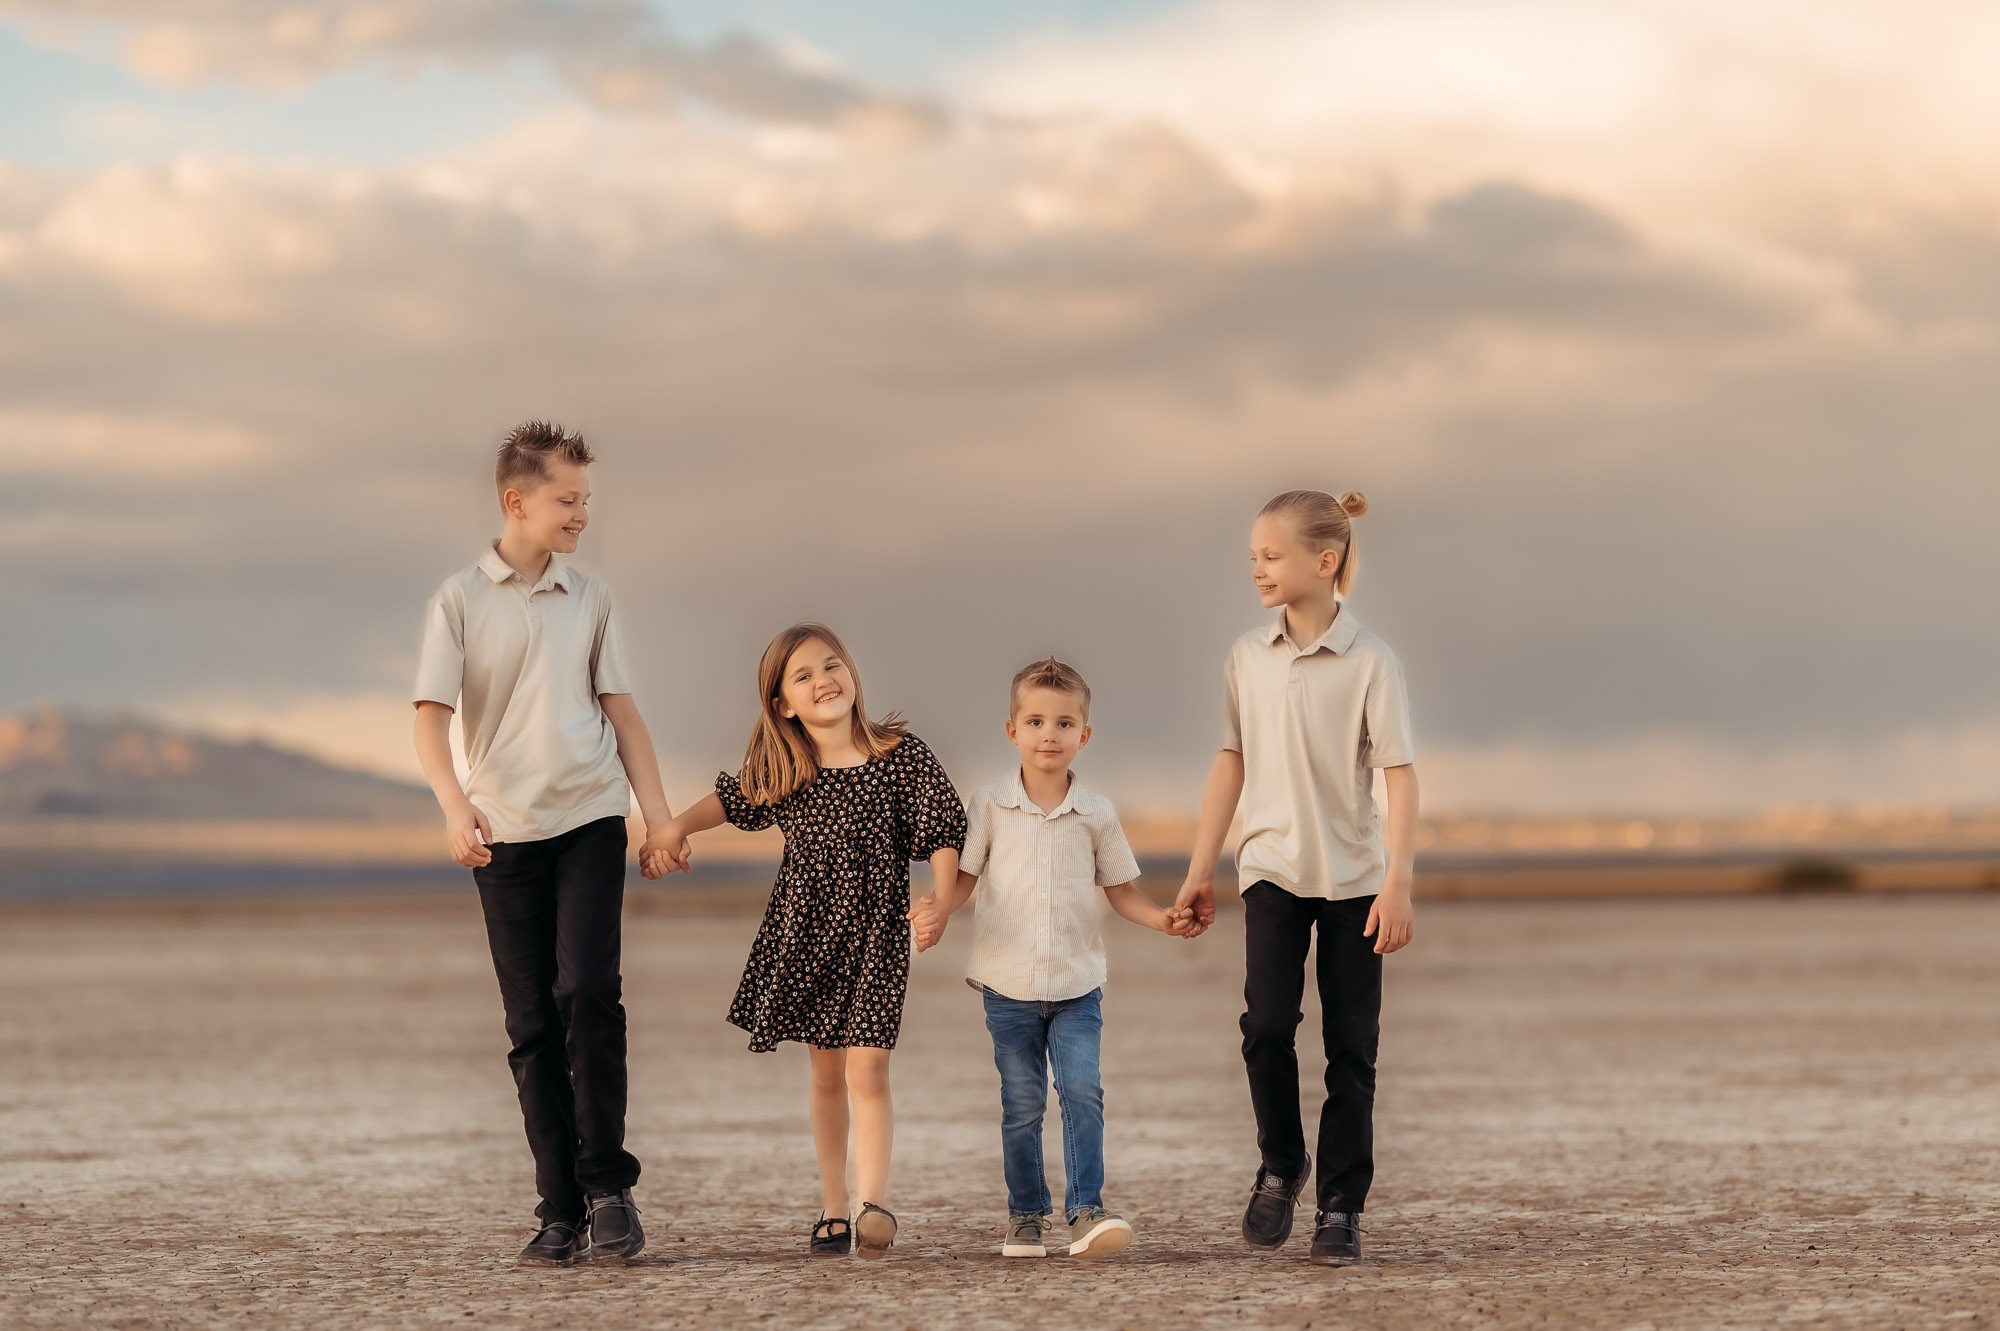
x,y
663,852
1194,909
1391,920
928,921
467,835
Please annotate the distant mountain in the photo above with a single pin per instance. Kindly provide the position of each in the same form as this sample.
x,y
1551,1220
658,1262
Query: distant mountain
x,y
59,763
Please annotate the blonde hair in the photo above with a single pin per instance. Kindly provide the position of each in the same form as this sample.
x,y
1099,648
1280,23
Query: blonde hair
x,y
1047,674
1324,523
781,757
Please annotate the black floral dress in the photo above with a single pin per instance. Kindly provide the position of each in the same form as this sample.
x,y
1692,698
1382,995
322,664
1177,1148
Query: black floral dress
x,y
832,957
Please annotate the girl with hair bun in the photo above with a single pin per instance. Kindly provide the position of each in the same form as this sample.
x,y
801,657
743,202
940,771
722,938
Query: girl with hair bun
x,y
1313,704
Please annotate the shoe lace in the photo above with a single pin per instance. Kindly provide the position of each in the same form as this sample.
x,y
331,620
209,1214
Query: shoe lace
x,y
613,1199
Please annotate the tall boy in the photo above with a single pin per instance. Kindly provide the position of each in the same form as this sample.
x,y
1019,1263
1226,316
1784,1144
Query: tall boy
x,y
1040,846
555,747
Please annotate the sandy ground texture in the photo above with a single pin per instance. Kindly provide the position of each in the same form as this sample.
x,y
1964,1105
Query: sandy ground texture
x,y
1687,1113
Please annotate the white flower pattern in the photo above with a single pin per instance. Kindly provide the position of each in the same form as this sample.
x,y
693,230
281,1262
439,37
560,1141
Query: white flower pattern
x,y
831,961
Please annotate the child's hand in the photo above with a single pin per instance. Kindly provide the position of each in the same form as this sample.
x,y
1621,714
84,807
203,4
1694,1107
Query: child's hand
x,y
1178,921
1391,920
664,851
1196,906
928,921
467,835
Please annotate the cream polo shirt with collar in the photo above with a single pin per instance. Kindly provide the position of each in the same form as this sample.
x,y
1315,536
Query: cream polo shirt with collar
x,y
523,664
1312,722
1036,913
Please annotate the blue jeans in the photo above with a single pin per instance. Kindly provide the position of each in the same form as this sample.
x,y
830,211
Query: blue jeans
x,y
1030,1039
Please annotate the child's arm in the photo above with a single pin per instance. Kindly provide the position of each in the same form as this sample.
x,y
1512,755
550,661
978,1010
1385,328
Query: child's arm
x,y
668,848
466,831
1196,902
642,769
1137,907
1391,920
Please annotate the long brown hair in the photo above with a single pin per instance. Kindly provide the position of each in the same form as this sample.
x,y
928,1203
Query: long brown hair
x,y
782,757
1323,523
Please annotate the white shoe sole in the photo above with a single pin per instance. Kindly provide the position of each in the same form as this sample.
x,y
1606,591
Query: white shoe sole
x,y
1022,1250
1104,1238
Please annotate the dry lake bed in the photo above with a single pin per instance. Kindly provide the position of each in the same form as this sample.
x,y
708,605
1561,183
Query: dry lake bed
x,y
1756,1112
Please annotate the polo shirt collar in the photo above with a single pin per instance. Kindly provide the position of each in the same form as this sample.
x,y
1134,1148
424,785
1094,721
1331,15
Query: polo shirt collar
x,y
1015,796
1339,635
496,568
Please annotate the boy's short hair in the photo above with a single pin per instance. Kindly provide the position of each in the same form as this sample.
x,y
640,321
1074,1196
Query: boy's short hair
x,y
1047,674
524,456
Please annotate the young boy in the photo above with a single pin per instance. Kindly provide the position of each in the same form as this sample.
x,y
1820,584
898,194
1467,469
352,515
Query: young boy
x,y
556,748
1043,845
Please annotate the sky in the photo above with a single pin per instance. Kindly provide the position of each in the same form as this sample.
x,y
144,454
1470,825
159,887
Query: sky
x,y
1664,339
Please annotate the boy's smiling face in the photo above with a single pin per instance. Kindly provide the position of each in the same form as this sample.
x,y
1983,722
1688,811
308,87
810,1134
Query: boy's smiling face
x,y
1048,727
554,513
1283,567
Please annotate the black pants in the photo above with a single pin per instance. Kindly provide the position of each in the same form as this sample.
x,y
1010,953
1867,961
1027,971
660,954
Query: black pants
x,y
1277,929
552,919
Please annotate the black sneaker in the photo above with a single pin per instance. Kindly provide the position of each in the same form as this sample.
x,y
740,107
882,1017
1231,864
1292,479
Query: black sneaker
x,y
556,1243
832,1238
1336,1238
1267,1221
615,1234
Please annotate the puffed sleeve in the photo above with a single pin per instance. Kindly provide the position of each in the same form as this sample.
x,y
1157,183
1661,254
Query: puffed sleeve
x,y
738,809
928,808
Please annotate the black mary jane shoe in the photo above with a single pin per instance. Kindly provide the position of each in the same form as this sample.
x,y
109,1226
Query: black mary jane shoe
x,y
615,1232
874,1230
1336,1238
832,1237
556,1243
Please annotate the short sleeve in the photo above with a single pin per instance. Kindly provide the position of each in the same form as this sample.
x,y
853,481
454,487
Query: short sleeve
x,y
1387,718
932,817
441,654
1232,717
607,657
737,808
1115,861
978,835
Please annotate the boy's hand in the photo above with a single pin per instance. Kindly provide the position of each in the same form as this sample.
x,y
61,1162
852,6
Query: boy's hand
x,y
1178,921
1196,906
1391,920
928,921
467,834
663,852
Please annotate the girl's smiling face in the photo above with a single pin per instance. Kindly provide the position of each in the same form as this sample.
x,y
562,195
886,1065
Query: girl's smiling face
x,y
817,688
1284,569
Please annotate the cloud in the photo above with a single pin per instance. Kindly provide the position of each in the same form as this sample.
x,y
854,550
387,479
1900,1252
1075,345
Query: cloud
x,y
1654,498
617,54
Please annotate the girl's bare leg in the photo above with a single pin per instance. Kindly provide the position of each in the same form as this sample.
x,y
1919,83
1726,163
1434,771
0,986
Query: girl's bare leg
x,y
829,1125
874,1122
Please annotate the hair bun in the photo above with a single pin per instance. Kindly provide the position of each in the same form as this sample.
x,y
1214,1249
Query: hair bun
x,y
1354,502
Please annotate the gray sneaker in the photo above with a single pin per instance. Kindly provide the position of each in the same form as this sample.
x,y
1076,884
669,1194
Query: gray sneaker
x,y
1024,1236
1096,1232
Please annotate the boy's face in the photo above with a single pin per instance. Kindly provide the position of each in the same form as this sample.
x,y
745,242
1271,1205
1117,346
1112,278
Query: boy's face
x,y
1283,567
1048,728
817,687
554,513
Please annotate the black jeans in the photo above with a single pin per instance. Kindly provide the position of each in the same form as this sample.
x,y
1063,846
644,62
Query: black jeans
x,y
552,919
1277,929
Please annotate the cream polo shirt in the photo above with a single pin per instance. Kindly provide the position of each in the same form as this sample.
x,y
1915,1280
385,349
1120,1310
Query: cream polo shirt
x,y
529,661
1310,723
1036,912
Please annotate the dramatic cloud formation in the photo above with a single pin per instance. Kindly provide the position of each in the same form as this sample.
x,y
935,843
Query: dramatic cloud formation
x,y
1680,486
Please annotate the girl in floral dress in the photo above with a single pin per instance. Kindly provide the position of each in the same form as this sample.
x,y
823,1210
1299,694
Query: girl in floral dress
x,y
857,801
